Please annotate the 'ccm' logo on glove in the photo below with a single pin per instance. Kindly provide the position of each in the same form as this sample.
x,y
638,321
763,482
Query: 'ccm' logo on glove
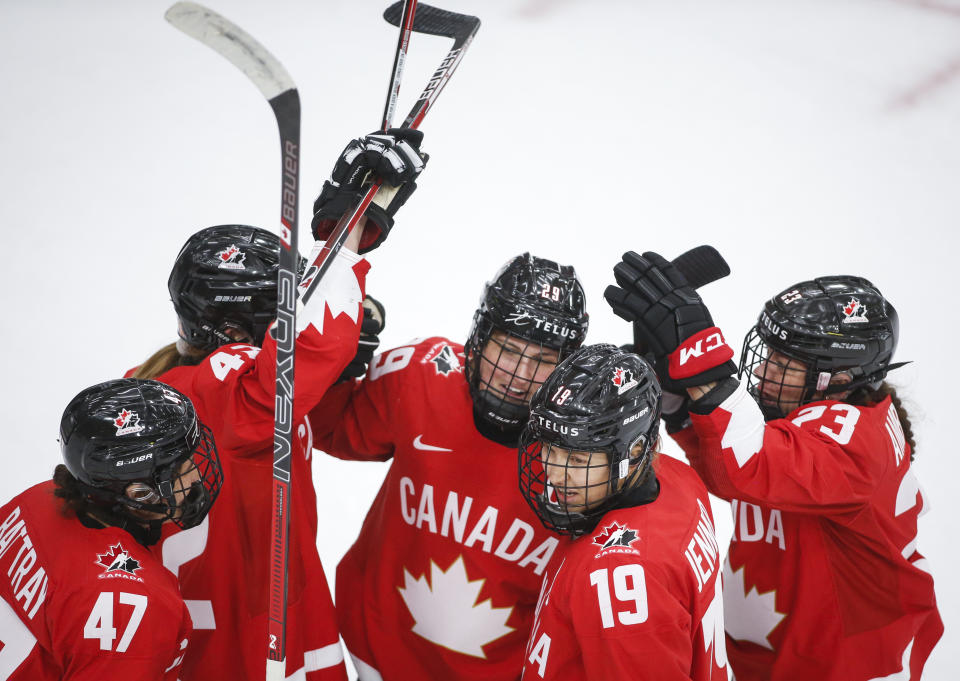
x,y
700,352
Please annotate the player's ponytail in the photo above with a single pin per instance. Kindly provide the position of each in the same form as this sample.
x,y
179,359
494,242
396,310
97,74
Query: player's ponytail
x,y
163,360
869,398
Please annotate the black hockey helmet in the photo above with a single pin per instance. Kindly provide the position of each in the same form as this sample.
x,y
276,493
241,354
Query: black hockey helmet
x,y
127,442
603,400
226,277
539,303
831,324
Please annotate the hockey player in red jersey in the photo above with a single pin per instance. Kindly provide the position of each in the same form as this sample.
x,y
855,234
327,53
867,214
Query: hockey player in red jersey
x,y
637,594
224,289
823,578
443,580
84,599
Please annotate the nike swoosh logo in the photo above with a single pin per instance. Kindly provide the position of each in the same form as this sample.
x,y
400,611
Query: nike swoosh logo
x,y
418,444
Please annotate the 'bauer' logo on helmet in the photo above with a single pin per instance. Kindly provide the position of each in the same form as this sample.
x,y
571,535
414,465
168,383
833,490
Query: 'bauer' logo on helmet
x,y
854,312
231,258
127,422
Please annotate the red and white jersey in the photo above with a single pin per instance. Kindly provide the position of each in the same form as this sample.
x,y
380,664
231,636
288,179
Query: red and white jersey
x,y
823,579
443,580
639,597
223,563
83,604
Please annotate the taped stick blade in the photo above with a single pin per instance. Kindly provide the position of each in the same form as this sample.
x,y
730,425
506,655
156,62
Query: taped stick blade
x,y
232,43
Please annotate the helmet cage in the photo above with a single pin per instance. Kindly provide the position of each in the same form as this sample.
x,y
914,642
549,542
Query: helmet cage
x,y
865,360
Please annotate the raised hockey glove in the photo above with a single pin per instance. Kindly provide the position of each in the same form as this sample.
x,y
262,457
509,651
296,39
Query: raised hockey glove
x,y
374,319
672,321
393,156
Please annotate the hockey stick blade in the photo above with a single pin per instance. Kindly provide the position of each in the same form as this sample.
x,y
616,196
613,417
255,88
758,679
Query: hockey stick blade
x,y
234,44
434,21
462,28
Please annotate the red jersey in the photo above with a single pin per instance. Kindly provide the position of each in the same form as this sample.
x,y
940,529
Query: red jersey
x,y
823,579
639,597
83,604
222,564
442,582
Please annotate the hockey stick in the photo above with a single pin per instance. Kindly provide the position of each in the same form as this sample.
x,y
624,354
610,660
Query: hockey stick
x,y
700,266
278,88
432,21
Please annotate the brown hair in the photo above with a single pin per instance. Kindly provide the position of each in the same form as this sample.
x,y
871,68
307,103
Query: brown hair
x,y
163,360
75,500
868,398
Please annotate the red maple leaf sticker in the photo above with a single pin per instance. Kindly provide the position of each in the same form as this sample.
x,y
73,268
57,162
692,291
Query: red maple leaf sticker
x,y
122,419
851,307
618,377
228,253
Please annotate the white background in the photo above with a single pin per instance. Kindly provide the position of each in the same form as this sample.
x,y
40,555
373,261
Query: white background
x,y
800,137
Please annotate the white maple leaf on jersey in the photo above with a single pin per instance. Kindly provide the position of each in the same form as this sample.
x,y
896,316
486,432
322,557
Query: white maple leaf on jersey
x,y
339,291
748,616
447,613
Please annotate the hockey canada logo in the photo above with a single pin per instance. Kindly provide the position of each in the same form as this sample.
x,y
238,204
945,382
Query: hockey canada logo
x,y
854,312
623,379
231,258
616,538
116,562
127,422
444,359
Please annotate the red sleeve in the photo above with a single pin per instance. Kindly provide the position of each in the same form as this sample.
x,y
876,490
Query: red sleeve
x,y
356,420
234,387
629,622
118,630
828,458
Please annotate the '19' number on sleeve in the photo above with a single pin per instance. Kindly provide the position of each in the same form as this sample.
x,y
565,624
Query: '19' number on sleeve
x,y
629,586
99,624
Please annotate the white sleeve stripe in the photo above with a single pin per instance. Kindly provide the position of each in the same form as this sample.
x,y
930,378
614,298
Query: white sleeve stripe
x,y
321,658
744,432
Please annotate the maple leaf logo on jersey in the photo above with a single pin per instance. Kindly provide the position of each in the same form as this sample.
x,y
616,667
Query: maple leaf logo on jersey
x,y
854,312
127,422
446,361
616,536
117,558
231,258
623,379
446,611
748,616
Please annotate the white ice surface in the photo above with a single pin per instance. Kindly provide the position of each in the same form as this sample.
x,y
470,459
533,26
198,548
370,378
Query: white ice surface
x,y
798,137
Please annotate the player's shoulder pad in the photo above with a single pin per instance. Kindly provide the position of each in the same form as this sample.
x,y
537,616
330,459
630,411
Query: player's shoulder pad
x,y
434,357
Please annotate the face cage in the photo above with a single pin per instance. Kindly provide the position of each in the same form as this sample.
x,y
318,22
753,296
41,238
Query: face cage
x,y
546,500
185,505
513,377
762,383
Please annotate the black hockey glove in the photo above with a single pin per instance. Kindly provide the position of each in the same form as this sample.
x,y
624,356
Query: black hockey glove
x,y
374,318
672,321
393,156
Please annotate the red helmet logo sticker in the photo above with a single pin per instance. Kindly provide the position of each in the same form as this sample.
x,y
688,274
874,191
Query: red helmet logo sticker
x,y
854,312
127,422
231,258
623,379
